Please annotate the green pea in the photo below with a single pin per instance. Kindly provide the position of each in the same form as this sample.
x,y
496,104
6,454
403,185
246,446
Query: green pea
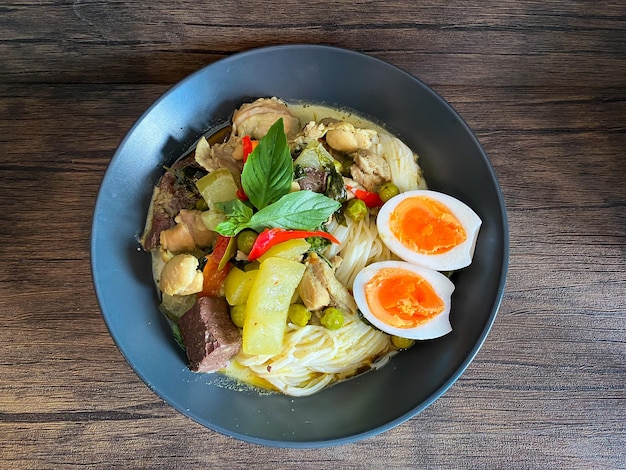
x,y
299,315
387,191
402,343
356,209
332,318
245,240
238,315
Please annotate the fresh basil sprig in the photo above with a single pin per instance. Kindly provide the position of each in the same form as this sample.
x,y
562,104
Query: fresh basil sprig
x,y
268,172
300,210
266,179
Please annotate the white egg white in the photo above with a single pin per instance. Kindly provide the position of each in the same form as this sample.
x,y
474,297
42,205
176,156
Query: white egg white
x,y
443,287
456,258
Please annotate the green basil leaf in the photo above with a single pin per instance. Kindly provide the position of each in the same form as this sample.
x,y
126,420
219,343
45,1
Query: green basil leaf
x,y
228,228
268,172
300,210
238,215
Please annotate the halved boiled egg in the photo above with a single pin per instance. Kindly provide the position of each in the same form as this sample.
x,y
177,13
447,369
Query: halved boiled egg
x,y
430,229
405,300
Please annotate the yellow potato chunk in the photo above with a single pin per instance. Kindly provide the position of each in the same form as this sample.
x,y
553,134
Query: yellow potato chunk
x,y
291,249
268,305
237,285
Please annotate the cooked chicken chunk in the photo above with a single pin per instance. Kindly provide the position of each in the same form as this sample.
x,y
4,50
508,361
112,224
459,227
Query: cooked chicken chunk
x,y
370,170
188,233
340,136
225,155
320,288
177,239
255,119
180,276
344,137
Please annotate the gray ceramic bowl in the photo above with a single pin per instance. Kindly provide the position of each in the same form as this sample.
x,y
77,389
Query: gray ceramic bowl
x,y
453,162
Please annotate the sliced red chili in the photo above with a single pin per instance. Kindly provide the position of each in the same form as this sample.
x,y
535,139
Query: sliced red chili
x,y
214,277
272,237
248,146
369,198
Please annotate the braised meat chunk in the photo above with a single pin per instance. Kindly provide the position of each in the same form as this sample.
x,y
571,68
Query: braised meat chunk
x,y
209,336
175,191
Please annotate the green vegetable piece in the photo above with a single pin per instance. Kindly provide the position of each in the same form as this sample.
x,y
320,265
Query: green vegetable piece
x,y
252,266
212,218
402,343
231,250
332,318
177,335
299,315
201,205
268,172
217,186
245,240
238,315
316,156
356,209
387,191
175,306
318,244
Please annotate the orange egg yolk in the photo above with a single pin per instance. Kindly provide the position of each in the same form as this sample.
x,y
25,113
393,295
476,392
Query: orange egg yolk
x,y
426,226
402,298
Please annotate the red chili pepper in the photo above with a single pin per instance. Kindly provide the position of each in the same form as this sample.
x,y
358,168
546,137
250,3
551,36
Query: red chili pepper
x,y
241,195
248,146
213,284
369,198
273,236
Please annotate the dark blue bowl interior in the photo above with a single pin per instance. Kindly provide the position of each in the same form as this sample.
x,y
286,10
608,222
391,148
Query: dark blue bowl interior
x,y
453,162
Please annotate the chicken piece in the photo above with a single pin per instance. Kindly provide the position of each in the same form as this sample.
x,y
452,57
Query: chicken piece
x,y
225,155
192,219
313,131
177,239
180,276
255,119
319,287
312,290
344,137
188,233
370,170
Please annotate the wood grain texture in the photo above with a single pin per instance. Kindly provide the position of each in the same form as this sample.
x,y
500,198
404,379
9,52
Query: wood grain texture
x,y
542,84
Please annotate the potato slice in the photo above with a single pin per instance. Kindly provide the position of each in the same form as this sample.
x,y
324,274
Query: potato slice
x,y
293,250
268,305
237,285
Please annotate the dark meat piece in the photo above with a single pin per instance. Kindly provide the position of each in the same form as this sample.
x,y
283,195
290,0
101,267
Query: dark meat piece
x,y
209,336
175,191
313,179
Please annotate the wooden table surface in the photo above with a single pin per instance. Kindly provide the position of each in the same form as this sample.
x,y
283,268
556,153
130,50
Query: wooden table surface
x,y
542,84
